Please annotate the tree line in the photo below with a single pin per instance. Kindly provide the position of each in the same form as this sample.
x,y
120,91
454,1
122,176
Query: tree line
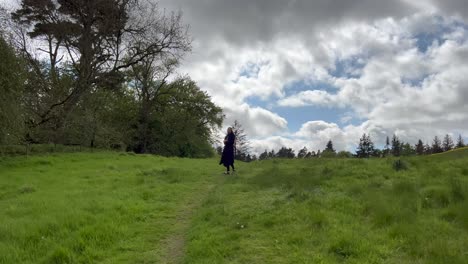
x,y
366,149
101,74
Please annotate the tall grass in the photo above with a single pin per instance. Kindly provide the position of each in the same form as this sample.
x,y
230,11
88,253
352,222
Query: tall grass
x,y
93,208
121,208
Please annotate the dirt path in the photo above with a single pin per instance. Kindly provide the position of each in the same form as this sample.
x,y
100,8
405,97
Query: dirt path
x,y
175,243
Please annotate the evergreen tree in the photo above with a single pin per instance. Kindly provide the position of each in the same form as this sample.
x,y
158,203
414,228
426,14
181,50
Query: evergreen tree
x,y
396,146
366,147
419,148
264,155
285,153
447,143
407,149
271,154
330,147
460,143
436,145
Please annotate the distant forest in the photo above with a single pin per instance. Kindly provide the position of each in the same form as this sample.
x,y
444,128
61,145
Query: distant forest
x,y
366,149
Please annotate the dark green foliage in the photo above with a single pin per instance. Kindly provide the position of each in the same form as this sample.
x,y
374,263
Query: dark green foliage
x,y
366,147
419,148
436,145
407,149
447,143
329,147
104,80
12,75
285,153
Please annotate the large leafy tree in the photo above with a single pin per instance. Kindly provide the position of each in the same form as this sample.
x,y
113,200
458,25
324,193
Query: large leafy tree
x,y
182,122
11,88
95,40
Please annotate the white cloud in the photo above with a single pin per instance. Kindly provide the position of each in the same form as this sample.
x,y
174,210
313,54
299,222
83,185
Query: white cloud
x,y
257,122
403,63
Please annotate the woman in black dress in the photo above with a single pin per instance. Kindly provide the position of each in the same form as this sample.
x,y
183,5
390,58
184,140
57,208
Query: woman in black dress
x,y
227,158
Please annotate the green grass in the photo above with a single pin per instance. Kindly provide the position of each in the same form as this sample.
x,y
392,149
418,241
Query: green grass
x,y
89,208
117,208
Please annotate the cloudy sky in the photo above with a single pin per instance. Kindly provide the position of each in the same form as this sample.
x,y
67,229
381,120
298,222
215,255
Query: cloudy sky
x,y
301,72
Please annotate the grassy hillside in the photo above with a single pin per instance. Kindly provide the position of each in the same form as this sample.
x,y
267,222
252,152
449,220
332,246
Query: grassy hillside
x,y
95,208
117,208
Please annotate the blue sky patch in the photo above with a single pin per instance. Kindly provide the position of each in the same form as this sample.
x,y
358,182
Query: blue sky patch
x,y
348,68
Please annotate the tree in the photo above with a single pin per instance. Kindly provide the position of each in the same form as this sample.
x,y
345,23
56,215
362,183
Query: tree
x,y
447,143
242,143
419,148
284,152
396,146
436,145
460,143
149,79
183,121
11,90
302,153
366,147
329,151
271,154
330,146
264,155
407,149
97,39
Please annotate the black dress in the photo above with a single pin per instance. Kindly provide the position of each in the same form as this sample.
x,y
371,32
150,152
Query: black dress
x,y
227,158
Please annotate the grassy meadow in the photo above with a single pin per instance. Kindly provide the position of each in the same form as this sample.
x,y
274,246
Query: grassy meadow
x,y
121,208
